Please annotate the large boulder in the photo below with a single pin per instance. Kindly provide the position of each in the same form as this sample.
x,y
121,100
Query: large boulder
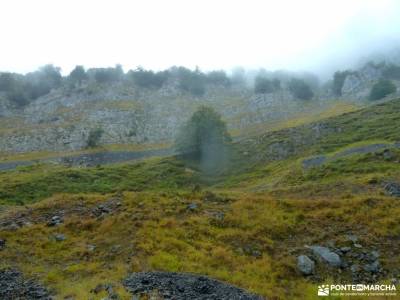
x,y
327,255
305,265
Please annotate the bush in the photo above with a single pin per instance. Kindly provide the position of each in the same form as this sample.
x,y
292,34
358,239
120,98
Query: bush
x,y
107,75
94,137
300,89
191,81
338,80
218,78
263,85
148,78
204,138
77,75
41,82
381,89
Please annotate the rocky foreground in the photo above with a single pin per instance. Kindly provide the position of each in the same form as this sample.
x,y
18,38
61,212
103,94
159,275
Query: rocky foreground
x,y
163,285
14,286
184,286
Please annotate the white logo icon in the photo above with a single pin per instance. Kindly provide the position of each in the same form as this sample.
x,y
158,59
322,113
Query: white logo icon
x,y
323,290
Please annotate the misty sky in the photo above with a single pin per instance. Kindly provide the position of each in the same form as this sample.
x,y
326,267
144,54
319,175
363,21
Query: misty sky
x,y
306,34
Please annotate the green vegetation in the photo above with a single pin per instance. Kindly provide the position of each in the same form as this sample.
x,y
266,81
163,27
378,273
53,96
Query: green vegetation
x,y
77,75
381,89
204,139
94,137
338,80
247,227
300,89
33,183
264,85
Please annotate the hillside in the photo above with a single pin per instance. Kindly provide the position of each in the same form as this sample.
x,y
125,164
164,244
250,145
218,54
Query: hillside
x,y
43,111
332,185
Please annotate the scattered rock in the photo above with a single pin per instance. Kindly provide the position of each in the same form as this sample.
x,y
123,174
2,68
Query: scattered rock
x,y
327,255
345,249
182,286
352,237
2,244
358,246
392,189
14,286
192,206
55,221
106,208
373,267
59,237
90,248
305,265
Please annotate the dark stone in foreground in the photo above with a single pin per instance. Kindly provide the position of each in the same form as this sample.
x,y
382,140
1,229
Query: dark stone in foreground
x,y
183,286
393,189
14,286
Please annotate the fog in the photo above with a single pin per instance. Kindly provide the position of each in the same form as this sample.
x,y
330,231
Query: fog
x,y
312,35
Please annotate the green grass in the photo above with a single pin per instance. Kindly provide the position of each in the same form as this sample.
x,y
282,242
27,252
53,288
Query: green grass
x,y
33,183
271,208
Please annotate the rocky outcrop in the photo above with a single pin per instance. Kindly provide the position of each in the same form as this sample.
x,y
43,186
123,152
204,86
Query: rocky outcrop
x,y
181,286
358,84
13,285
63,119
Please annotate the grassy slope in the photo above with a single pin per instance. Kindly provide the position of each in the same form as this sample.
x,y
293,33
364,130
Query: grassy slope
x,y
272,207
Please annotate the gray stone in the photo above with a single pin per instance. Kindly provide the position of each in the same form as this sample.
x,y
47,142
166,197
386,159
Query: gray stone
x,y
305,265
373,267
327,255
54,221
345,249
192,206
91,248
392,189
352,237
358,245
59,237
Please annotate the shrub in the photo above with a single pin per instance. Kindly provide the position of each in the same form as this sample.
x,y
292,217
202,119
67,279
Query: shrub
x,y
381,89
204,138
148,78
191,81
94,137
338,80
263,85
300,89
77,75
218,78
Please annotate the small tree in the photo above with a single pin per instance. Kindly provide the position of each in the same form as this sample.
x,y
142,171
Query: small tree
x,y
94,137
77,75
204,138
381,89
300,89
338,80
263,85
